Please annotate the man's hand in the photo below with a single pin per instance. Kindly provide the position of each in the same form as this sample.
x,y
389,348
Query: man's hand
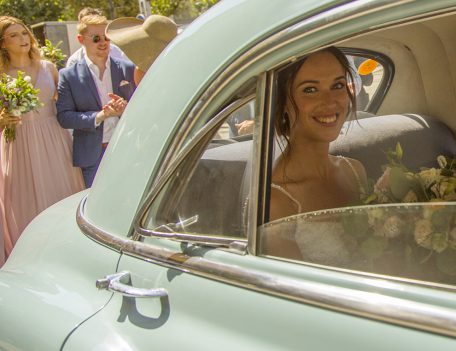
x,y
114,108
245,127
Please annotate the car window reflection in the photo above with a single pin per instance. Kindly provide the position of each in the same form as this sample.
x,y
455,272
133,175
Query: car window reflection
x,y
414,241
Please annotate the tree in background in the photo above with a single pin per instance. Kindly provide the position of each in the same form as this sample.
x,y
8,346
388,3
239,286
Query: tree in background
x,y
111,8
32,11
181,10
35,11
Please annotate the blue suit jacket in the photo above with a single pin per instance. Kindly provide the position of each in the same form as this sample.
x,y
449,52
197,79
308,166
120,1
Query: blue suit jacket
x,y
78,104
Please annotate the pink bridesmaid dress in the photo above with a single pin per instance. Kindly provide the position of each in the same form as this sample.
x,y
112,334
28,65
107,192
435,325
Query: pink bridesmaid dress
x,y
36,168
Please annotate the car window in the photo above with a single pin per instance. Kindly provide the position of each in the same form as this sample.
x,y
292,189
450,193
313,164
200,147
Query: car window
x,y
207,192
413,241
396,217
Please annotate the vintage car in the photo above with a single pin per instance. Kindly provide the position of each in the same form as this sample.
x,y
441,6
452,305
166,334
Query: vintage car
x,y
170,248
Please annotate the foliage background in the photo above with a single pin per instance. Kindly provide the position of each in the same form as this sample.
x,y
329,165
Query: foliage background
x,y
36,11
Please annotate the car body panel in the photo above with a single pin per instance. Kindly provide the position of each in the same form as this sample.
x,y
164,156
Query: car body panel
x,y
202,314
47,275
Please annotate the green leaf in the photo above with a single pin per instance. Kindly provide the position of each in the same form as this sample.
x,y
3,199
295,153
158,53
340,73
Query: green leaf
x,y
399,152
441,219
374,246
446,262
356,224
439,242
400,184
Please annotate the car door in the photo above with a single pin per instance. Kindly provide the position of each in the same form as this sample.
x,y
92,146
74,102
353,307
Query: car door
x,y
194,272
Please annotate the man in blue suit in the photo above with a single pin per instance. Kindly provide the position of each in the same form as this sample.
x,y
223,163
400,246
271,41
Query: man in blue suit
x,y
92,95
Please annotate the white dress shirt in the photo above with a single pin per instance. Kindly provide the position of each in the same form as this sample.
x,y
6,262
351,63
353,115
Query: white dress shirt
x,y
104,86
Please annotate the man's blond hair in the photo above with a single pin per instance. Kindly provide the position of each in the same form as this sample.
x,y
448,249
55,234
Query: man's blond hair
x,y
89,20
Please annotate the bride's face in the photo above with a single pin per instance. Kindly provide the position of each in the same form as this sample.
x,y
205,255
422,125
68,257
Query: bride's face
x,y
320,93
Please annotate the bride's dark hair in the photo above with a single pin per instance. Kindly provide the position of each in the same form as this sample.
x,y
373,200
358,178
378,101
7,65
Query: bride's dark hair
x,y
284,83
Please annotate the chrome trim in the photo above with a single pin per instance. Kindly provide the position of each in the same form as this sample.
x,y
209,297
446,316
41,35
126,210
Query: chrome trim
x,y
259,157
372,305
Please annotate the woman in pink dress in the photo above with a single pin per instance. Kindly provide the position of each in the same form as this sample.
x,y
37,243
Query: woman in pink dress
x,y
36,168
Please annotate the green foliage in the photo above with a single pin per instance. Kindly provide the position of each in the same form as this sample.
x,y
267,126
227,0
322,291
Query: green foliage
x,y
164,7
35,11
32,11
111,8
53,53
182,10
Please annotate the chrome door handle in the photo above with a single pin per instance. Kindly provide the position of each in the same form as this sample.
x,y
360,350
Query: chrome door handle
x,y
113,283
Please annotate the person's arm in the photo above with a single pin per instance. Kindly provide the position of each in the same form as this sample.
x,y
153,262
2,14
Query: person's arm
x,y
55,75
67,114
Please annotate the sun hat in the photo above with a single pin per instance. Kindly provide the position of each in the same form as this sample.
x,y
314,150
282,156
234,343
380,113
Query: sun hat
x,y
142,41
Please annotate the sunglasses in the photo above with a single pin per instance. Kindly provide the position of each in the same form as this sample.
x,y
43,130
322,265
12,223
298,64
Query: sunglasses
x,y
96,38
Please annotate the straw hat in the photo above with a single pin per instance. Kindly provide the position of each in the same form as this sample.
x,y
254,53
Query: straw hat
x,y
142,41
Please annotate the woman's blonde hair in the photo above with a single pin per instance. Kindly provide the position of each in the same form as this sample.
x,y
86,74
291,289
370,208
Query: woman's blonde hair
x,y
5,23
89,20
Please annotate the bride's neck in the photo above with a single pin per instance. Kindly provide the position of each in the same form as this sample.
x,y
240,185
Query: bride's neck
x,y
306,162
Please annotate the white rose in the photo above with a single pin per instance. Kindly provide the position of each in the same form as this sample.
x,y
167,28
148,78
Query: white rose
x,y
452,236
392,227
28,79
410,197
429,176
374,215
423,233
441,160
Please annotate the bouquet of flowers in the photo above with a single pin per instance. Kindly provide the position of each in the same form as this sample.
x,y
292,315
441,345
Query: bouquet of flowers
x,y
53,53
398,184
412,227
17,96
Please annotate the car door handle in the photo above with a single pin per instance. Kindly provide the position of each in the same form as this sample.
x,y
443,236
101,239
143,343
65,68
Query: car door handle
x,y
113,282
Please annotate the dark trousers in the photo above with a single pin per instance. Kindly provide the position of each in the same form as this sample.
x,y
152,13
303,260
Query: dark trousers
x,y
88,173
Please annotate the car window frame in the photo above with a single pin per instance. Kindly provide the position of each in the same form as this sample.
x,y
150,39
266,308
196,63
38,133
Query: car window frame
x,y
387,79
195,148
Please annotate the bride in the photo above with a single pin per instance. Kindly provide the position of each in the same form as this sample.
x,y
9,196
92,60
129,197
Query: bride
x,y
315,98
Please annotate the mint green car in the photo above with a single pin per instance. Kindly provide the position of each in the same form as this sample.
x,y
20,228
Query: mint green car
x,y
170,248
